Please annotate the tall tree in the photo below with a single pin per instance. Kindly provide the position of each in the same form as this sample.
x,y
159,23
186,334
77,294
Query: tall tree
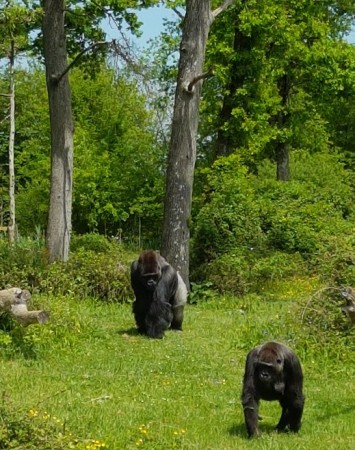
x,y
182,150
59,95
84,27
12,209
15,21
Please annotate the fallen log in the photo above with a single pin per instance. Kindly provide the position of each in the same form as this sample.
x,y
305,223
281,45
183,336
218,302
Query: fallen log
x,y
14,301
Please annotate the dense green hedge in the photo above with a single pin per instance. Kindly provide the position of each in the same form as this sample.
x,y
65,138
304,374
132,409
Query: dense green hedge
x,y
252,228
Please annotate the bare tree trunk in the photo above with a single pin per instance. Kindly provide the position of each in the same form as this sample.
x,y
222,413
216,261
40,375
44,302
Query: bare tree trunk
x,y
12,222
59,95
282,147
182,150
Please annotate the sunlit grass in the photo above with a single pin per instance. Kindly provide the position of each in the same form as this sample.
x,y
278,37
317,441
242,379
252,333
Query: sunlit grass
x,y
89,369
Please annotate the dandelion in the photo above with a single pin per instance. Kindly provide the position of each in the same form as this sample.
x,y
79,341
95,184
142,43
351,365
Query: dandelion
x,y
143,429
33,413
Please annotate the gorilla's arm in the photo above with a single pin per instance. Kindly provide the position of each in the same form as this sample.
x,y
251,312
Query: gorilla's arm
x,y
250,401
294,397
167,285
143,299
160,313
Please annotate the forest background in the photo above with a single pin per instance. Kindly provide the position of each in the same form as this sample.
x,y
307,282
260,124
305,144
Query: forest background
x,y
272,224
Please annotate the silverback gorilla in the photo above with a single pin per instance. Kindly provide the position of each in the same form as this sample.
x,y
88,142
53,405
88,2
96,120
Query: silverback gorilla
x,y
273,372
160,295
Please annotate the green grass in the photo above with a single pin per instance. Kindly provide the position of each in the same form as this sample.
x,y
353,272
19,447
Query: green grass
x,y
89,368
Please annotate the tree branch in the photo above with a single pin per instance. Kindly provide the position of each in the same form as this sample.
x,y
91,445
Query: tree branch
x,y
178,13
221,8
190,86
57,78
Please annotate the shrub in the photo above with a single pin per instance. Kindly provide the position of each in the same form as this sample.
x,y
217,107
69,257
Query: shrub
x,y
91,241
244,273
306,222
335,258
88,273
323,315
230,217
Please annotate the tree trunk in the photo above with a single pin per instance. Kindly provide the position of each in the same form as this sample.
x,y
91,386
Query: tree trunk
x,y
182,149
59,96
282,147
12,222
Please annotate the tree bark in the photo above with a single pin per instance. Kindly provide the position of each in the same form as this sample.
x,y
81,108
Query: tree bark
x,y
282,146
182,149
59,97
14,301
12,222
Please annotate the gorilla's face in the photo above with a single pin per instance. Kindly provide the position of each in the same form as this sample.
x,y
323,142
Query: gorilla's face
x,y
270,376
149,269
150,280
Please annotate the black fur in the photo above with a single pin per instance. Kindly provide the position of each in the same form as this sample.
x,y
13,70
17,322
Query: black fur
x,y
273,372
160,295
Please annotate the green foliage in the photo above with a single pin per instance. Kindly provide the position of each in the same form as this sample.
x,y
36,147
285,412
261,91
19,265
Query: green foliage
x,y
92,242
87,274
97,268
201,293
322,314
252,228
229,218
249,272
118,179
117,176
335,259
251,48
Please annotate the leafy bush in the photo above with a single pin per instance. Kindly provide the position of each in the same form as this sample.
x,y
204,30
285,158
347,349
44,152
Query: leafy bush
x,y
88,274
91,241
101,272
322,315
335,258
244,273
230,217
254,228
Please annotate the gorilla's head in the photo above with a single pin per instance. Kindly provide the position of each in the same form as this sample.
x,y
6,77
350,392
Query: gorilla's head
x,y
149,268
269,368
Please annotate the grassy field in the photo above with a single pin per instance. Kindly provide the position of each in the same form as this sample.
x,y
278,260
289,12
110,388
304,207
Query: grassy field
x,y
87,368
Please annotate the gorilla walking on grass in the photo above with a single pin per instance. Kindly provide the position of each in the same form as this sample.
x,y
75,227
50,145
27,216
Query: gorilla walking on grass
x,y
273,372
160,295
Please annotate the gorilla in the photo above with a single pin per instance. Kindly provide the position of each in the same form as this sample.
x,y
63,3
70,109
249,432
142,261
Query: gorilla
x,y
273,372
160,295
